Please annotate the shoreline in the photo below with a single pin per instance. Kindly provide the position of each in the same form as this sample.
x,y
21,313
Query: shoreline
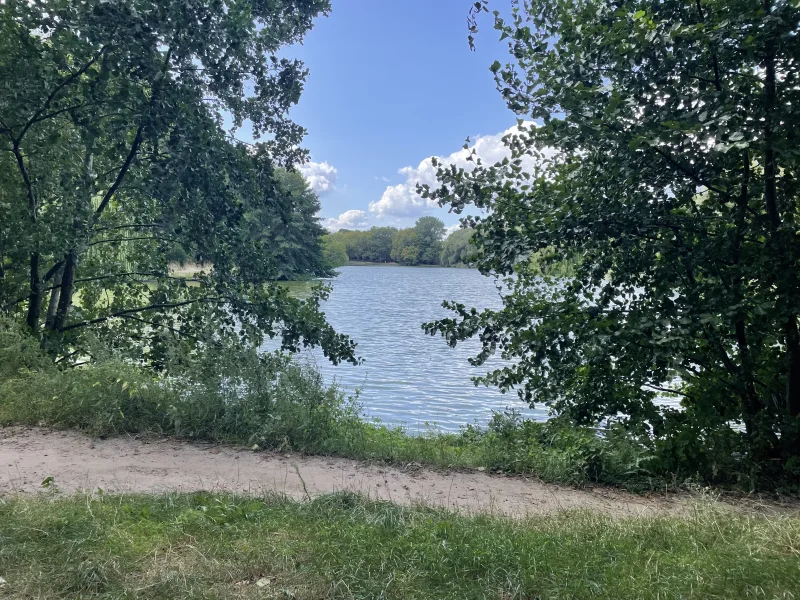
x,y
359,263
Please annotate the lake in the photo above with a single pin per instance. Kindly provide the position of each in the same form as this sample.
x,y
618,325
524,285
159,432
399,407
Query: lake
x,y
409,378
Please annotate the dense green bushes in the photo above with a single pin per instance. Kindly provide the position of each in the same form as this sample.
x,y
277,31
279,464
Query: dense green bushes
x,y
226,394
422,244
648,172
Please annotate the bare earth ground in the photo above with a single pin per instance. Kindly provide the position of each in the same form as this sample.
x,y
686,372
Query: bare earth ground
x,y
78,463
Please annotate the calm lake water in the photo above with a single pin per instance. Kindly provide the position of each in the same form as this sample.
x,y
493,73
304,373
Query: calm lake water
x,y
408,377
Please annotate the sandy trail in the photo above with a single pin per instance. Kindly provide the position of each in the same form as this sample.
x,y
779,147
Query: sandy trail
x,y
81,464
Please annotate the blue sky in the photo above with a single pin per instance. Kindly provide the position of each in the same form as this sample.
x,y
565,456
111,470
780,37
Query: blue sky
x,y
391,84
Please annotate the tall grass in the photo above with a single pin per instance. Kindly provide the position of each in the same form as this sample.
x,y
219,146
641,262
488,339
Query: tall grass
x,y
344,546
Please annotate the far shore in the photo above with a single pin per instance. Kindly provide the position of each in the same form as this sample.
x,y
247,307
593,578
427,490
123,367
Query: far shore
x,y
362,263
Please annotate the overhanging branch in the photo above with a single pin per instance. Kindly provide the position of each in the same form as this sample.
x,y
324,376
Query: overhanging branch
x,y
133,311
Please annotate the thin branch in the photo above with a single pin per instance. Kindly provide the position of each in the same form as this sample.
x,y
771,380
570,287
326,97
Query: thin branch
x,y
155,274
61,111
687,171
72,77
119,275
137,226
717,80
671,160
668,390
66,356
26,180
163,326
131,311
131,239
137,141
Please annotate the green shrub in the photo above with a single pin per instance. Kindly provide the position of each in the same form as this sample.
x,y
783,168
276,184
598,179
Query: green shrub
x,y
264,399
177,254
227,394
556,450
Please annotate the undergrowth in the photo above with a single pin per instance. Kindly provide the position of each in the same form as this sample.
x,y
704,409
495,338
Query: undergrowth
x,y
271,402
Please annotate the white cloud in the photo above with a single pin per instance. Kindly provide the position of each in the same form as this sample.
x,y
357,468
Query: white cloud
x,y
320,176
403,201
352,219
452,229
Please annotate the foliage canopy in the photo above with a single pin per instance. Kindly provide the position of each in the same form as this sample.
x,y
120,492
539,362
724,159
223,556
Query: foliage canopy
x,y
421,244
112,153
663,160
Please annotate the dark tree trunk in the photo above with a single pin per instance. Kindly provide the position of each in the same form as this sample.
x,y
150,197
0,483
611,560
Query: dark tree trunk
x,y
35,299
54,296
751,402
793,384
791,438
67,286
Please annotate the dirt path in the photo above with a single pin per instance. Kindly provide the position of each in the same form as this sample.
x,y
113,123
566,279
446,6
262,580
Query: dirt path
x,y
78,463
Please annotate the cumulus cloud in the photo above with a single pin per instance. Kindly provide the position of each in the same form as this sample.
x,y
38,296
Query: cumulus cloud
x,y
320,176
352,219
452,229
403,201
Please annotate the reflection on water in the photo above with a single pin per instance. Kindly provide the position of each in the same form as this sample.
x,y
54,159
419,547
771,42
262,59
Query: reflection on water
x,y
408,377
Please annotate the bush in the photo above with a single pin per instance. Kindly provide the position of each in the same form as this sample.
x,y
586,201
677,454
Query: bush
x,y
177,254
227,394
266,399
560,451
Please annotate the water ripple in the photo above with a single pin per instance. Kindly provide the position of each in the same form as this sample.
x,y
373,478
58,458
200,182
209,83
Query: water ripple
x,y
408,377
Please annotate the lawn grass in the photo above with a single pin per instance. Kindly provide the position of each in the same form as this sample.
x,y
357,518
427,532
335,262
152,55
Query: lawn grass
x,y
345,546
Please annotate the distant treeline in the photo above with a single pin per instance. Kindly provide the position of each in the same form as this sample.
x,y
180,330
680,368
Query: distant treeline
x,y
423,244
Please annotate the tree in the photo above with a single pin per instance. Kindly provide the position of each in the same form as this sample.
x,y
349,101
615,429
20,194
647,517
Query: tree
x,y
404,247
356,243
665,165
287,221
112,153
429,232
379,244
457,249
334,251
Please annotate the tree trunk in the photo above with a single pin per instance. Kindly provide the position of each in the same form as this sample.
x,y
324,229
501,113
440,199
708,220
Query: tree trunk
x,y
67,286
35,299
793,382
54,296
791,438
751,402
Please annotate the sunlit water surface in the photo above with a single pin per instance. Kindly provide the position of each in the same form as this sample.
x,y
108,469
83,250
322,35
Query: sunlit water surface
x,y
409,378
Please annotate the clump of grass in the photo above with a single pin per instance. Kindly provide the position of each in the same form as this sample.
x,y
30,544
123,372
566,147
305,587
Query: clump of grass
x,y
345,546
552,451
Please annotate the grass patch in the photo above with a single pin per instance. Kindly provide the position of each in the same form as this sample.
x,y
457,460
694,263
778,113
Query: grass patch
x,y
344,546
